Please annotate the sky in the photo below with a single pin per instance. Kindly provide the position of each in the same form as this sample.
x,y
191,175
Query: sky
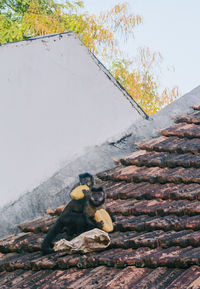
x,y
170,27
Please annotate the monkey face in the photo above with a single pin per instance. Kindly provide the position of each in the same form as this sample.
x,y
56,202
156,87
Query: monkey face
x,y
97,196
86,179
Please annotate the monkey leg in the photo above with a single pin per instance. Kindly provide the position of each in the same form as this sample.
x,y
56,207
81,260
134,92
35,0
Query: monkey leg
x,y
73,224
76,225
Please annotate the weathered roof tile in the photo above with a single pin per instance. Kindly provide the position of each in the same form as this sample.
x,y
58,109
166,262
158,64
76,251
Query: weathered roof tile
x,y
156,207
155,239
188,279
172,144
162,159
127,278
103,277
183,130
153,175
196,107
148,223
38,225
145,190
154,195
158,278
189,118
143,256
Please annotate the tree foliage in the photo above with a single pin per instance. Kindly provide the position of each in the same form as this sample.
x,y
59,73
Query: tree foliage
x,y
22,19
141,81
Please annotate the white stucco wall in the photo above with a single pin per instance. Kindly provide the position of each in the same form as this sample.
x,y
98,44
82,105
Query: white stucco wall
x,y
55,100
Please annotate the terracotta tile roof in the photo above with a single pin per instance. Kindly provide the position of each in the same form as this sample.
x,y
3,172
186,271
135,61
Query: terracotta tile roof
x,y
154,195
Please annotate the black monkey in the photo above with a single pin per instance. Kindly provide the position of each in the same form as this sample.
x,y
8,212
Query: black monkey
x,y
72,219
85,179
95,200
95,205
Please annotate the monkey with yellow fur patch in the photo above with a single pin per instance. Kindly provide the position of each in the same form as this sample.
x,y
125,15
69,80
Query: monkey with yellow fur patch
x,y
71,220
94,209
84,212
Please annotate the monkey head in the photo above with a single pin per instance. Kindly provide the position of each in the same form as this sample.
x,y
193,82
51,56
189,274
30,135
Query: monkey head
x,y
97,196
86,179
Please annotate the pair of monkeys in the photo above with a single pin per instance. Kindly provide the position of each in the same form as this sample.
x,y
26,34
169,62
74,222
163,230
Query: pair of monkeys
x,y
78,215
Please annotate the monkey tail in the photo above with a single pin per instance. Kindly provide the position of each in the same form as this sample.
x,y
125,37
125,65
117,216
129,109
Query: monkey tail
x,y
55,229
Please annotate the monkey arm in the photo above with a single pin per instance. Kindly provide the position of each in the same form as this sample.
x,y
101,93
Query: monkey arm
x,y
55,229
92,223
113,218
76,185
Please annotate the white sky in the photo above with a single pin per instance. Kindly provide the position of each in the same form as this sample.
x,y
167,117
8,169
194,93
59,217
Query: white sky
x,y
170,27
